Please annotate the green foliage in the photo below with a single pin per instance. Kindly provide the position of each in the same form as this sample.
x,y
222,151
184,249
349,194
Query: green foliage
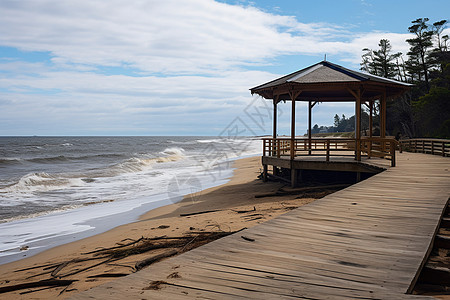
x,y
425,110
342,124
433,109
444,130
381,62
336,120
419,60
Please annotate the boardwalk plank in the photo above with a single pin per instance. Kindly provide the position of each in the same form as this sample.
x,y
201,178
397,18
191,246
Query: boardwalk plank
x,y
368,241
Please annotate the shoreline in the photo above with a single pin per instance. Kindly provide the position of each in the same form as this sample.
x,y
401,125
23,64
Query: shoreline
x,y
222,201
40,234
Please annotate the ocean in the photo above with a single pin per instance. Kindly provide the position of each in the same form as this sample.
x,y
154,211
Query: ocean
x,y
54,190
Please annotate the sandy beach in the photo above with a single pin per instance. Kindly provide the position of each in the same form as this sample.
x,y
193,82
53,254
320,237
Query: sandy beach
x,y
225,208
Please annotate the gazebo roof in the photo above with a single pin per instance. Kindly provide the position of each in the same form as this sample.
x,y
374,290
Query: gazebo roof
x,y
326,81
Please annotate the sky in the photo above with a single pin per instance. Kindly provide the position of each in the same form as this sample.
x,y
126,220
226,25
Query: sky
x,y
179,67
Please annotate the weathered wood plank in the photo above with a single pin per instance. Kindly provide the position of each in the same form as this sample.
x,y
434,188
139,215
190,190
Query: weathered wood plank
x,y
368,241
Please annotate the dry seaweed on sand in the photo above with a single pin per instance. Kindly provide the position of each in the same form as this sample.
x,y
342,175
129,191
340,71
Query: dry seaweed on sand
x,y
175,245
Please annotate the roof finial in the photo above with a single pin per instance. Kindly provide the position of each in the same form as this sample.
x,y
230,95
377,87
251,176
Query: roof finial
x,y
325,59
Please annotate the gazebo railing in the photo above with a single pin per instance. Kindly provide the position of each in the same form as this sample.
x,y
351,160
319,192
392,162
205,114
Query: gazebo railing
x,y
328,147
429,146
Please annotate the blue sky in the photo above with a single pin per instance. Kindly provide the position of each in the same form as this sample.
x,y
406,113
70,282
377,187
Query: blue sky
x,y
177,67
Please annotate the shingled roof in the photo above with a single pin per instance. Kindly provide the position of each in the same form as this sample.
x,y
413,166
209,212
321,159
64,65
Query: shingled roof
x,y
333,76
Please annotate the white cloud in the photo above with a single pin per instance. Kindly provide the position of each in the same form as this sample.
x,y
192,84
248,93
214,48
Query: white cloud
x,y
154,36
164,36
192,58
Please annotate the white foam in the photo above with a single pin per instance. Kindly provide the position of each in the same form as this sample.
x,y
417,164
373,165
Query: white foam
x,y
41,182
138,164
174,151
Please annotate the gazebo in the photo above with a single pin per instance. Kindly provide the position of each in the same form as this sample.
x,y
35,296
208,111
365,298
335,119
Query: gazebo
x,y
328,82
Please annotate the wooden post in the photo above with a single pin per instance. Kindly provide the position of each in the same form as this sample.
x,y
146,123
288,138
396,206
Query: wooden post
x,y
264,173
383,115
293,95
392,144
310,107
358,125
370,117
293,177
357,95
275,102
369,145
309,126
328,150
292,129
274,133
264,147
278,149
383,120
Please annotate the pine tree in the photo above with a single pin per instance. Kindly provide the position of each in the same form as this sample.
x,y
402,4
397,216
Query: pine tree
x,y
439,53
384,60
337,120
419,51
381,62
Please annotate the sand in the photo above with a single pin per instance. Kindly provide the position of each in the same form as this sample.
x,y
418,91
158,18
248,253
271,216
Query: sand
x,y
229,200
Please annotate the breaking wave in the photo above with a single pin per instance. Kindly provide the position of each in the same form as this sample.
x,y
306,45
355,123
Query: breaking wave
x,y
136,164
41,182
44,182
9,161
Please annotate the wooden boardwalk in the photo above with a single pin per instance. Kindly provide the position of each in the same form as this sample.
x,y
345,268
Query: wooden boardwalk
x,y
368,241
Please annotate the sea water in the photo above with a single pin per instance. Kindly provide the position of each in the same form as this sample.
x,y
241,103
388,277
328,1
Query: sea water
x,y
54,190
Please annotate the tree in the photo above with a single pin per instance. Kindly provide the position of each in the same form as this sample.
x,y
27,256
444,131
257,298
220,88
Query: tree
x,y
437,55
438,28
336,120
433,109
384,60
367,64
425,110
419,49
315,129
381,62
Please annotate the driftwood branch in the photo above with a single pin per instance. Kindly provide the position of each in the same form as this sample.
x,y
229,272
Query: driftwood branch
x,y
66,263
85,269
115,247
37,290
247,238
199,212
148,261
42,283
45,266
245,211
189,243
108,275
174,245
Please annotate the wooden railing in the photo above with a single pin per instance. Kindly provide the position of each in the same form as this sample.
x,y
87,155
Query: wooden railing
x,y
430,146
370,147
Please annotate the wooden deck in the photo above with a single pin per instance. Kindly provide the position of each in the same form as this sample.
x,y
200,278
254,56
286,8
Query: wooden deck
x,y
368,241
343,162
